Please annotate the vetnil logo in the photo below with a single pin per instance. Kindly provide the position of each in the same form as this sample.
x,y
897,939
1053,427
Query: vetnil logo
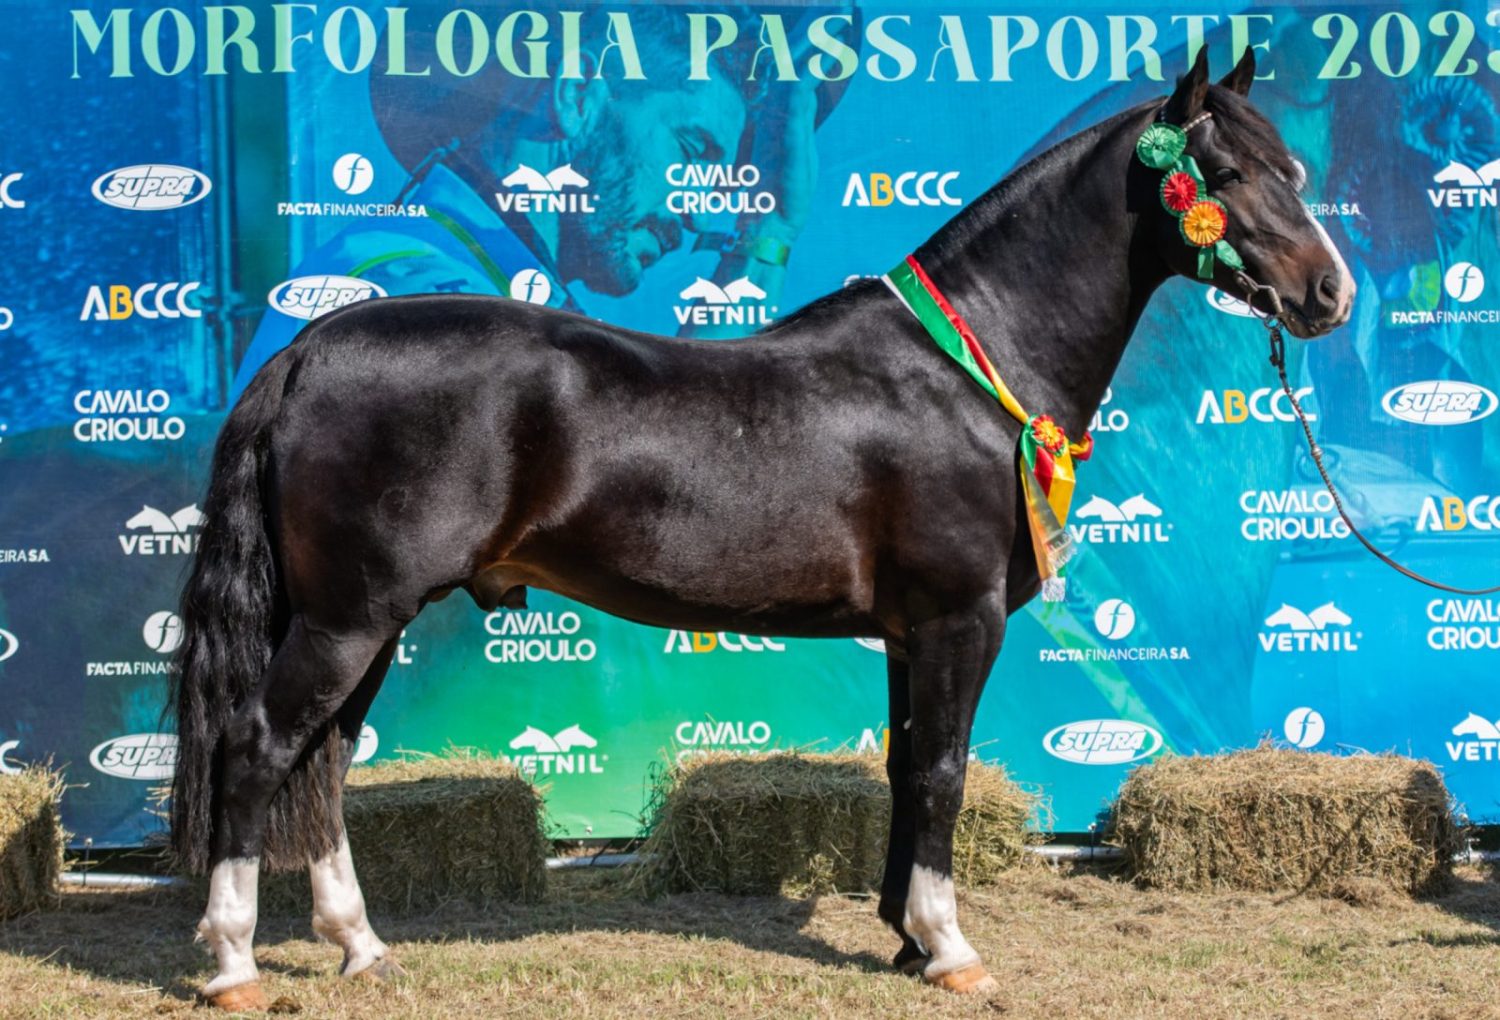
x,y
1133,520
1325,629
556,754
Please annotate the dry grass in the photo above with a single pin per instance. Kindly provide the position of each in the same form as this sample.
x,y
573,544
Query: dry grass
x,y
1272,819
1081,945
432,828
31,840
799,824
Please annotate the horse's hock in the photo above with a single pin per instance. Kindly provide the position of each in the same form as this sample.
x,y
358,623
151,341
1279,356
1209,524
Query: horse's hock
x,y
800,824
432,829
31,841
1272,819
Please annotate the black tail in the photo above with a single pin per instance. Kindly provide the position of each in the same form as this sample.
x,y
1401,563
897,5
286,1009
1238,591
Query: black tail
x,y
233,616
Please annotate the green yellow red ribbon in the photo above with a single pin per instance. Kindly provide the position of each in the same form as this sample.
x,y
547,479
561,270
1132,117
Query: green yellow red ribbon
x,y
1046,454
1202,220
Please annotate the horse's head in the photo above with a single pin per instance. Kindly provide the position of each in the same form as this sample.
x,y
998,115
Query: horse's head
x,y
1238,157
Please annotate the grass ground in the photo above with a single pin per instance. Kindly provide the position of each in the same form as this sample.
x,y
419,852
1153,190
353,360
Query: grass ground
x,y
1061,944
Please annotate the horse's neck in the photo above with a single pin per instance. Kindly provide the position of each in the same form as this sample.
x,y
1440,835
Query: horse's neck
x,y
1046,269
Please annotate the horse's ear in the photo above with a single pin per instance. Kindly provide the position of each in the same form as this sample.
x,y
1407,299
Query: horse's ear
x,y
1243,76
1187,102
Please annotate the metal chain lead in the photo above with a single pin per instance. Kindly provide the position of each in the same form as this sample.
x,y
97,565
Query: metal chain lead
x,y
1278,359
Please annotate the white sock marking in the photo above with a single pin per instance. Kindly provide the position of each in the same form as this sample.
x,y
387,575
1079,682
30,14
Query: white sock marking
x,y
932,919
339,910
228,924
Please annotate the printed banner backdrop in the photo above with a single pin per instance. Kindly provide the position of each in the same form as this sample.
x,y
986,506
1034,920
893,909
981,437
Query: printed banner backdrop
x,y
182,188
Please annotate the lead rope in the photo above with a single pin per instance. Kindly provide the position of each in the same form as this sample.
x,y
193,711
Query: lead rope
x,y
1272,322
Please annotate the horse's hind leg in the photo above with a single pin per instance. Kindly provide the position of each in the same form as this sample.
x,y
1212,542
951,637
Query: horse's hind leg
x,y
311,675
338,905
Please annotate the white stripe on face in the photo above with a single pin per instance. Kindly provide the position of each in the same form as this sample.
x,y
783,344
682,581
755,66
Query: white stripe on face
x,y
1346,279
228,924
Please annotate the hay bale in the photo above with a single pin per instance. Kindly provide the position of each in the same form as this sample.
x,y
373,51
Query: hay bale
x,y
795,824
1273,819
31,840
434,828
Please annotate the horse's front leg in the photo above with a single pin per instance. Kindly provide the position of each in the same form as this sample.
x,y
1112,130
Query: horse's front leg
x,y
950,657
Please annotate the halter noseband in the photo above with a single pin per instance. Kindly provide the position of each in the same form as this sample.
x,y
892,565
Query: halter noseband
x,y
1202,220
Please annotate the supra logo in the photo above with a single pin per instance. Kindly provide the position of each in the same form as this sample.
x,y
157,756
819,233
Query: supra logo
x,y
308,297
151,187
532,636
1120,523
124,302
1102,742
721,306
1114,619
1325,629
533,191
1228,303
1263,404
1464,281
1484,744
162,632
166,535
8,644
692,641
1303,727
1439,402
707,190
1470,187
7,200
910,188
1464,625
531,286
353,174
114,415
553,755
140,756
367,745
1482,513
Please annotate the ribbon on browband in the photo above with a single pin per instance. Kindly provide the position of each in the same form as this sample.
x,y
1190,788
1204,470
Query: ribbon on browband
x,y
1046,454
1202,220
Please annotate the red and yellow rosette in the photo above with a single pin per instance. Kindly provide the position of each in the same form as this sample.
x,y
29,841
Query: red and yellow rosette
x,y
1204,222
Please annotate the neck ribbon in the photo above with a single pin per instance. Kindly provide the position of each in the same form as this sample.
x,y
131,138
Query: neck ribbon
x,y
1046,455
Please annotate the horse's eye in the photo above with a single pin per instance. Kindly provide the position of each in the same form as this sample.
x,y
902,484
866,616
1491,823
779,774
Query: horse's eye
x,y
1227,175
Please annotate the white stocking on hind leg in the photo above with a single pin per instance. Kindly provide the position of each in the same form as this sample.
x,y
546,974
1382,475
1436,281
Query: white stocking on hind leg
x,y
339,916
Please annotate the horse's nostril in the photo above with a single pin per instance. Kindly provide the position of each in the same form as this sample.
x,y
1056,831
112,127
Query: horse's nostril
x,y
1328,289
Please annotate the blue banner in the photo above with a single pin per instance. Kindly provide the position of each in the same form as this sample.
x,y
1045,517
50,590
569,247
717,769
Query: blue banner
x,y
183,188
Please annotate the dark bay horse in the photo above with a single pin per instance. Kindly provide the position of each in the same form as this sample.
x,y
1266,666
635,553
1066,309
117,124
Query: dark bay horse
x,y
404,448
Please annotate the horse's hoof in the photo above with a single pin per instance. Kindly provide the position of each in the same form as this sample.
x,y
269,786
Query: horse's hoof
x,y
384,969
243,998
970,980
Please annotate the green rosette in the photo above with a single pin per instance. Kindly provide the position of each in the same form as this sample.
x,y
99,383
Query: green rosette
x,y
1160,145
